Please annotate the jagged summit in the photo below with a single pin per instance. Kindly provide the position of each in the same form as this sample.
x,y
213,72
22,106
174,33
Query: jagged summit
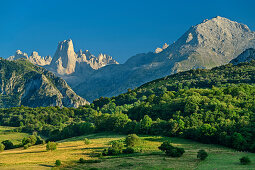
x,y
33,58
65,61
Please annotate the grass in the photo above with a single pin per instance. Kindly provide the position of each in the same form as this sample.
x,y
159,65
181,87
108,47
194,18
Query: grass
x,y
8,133
69,151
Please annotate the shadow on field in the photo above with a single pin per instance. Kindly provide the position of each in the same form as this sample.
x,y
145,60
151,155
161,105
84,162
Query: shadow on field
x,y
49,166
25,152
156,139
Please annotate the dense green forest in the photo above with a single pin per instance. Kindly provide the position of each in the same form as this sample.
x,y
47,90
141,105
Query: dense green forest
x,y
210,106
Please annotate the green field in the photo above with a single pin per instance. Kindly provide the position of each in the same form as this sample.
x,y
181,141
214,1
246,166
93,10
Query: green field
x,y
70,150
8,133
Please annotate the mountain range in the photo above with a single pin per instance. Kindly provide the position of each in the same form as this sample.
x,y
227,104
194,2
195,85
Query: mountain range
x,y
209,44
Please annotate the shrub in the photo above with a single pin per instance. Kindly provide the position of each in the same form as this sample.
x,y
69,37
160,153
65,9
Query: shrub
x,y
132,140
87,141
245,160
81,160
58,163
129,150
2,147
170,150
115,149
31,139
51,146
8,144
202,154
26,146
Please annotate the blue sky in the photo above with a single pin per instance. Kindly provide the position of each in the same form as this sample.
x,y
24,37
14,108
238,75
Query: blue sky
x,y
116,27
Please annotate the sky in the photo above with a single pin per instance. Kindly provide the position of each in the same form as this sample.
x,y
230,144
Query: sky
x,y
120,28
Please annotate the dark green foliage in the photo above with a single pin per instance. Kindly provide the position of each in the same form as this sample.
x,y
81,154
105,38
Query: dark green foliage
x,y
170,150
31,139
210,106
202,154
245,160
51,146
129,150
8,144
81,160
58,163
2,147
132,140
116,148
86,141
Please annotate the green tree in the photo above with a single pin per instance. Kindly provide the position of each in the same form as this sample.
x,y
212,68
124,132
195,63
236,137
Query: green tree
x,y
202,154
51,146
2,147
8,144
132,140
146,123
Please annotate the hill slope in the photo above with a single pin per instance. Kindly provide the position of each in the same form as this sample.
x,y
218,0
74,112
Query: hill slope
x,y
23,83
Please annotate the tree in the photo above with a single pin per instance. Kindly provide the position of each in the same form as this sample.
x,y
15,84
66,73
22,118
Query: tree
x,y
51,146
146,123
170,150
58,163
132,140
245,160
8,144
202,154
2,147
86,141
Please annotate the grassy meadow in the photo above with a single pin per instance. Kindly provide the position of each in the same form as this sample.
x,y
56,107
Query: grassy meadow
x,y
69,151
8,133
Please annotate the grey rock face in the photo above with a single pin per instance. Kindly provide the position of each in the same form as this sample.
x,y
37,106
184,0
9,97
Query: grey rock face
x,y
245,56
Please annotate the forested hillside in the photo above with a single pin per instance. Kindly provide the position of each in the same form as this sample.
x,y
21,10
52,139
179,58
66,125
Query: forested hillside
x,y
211,106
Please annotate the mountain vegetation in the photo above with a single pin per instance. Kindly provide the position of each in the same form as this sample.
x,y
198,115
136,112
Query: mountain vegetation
x,y
210,106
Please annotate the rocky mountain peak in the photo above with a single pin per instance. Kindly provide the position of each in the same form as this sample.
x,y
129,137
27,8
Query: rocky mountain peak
x,y
64,60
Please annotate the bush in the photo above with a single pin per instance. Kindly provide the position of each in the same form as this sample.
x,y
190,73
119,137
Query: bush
x,y
170,150
81,160
202,154
58,163
87,141
51,146
2,147
245,160
31,139
8,144
26,146
132,140
129,150
117,147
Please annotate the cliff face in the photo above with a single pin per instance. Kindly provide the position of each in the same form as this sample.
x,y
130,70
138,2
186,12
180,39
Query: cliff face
x,y
22,83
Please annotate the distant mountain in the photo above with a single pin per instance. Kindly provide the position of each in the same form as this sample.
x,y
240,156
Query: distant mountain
x,y
23,83
211,43
245,56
